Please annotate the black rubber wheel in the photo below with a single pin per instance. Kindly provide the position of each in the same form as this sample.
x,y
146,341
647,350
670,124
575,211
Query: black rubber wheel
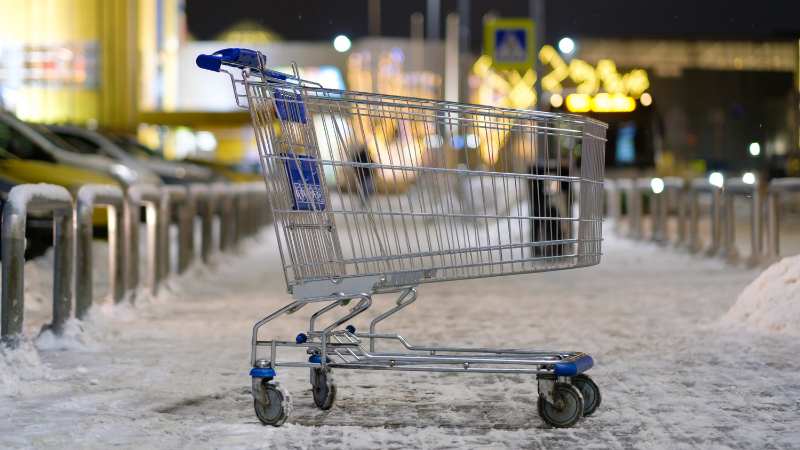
x,y
566,409
322,389
589,391
271,406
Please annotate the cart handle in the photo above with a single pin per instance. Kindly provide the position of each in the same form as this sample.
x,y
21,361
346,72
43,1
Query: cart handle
x,y
237,57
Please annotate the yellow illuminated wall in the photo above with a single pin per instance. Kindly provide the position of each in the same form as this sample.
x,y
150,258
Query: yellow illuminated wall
x,y
158,59
48,52
71,60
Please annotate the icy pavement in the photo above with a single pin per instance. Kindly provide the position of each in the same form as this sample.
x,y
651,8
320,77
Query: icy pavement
x,y
172,372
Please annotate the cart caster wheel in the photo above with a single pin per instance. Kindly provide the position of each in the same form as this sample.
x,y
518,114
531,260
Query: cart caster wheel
x,y
271,404
589,391
567,408
322,388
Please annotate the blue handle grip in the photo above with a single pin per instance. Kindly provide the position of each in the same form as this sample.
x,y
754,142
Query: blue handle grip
x,y
236,57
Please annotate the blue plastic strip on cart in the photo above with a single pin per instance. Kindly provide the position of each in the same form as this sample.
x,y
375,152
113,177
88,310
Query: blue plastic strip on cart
x,y
570,369
289,106
306,183
262,372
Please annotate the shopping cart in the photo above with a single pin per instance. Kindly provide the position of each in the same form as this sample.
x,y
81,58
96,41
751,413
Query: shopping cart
x,y
447,192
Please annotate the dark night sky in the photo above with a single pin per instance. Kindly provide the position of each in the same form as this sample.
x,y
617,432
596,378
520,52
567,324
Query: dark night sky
x,y
678,19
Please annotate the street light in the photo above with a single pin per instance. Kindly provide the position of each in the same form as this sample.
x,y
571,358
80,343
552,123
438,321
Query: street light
x,y
716,179
566,45
755,148
556,100
657,185
341,43
749,178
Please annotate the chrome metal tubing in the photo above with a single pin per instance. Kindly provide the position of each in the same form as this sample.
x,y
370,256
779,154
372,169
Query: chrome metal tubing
x,y
149,197
203,204
737,188
225,202
777,188
172,205
406,298
42,199
254,342
698,186
677,198
90,197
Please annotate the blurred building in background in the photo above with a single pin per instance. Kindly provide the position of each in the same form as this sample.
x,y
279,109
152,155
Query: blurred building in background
x,y
673,104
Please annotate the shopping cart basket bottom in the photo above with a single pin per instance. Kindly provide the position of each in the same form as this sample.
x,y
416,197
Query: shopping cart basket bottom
x,y
566,393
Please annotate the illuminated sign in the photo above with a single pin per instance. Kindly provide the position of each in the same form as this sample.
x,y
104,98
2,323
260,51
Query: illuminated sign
x,y
506,89
579,85
510,43
600,103
600,88
588,79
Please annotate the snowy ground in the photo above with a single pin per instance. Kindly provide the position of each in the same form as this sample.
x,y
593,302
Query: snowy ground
x,y
171,372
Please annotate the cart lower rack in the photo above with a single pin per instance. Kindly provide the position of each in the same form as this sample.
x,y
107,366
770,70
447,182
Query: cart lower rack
x,y
378,194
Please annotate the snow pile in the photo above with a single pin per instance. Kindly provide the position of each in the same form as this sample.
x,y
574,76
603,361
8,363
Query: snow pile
x,y
18,366
72,337
771,303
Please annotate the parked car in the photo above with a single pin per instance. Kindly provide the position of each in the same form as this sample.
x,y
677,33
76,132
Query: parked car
x,y
35,142
229,172
14,171
220,171
110,145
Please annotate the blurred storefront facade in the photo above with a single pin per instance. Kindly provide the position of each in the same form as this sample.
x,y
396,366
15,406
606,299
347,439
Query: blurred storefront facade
x,y
129,65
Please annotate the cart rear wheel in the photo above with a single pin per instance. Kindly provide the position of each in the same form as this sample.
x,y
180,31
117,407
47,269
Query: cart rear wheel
x,y
271,404
566,409
589,391
322,388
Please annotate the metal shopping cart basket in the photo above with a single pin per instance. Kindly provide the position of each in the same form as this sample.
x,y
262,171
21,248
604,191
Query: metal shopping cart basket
x,y
377,194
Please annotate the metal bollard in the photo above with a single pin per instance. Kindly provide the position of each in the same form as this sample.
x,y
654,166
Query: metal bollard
x,y
258,208
736,187
613,207
262,205
675,188
627,187
45,199
202,200
225,196
728,250
637,210
657,209
149,197
777,188
186,216
173,198
698,186
671,194
89,197
773,226
242,206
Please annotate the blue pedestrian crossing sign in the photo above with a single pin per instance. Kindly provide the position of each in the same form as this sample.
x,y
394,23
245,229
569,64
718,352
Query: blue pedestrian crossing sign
x,y
510,43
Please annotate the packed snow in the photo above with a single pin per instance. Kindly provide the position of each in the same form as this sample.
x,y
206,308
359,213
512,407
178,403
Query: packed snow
x,y
771,303
171,371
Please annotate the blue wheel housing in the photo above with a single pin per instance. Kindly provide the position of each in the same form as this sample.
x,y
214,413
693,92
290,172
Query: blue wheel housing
x,y
572,368
262,372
